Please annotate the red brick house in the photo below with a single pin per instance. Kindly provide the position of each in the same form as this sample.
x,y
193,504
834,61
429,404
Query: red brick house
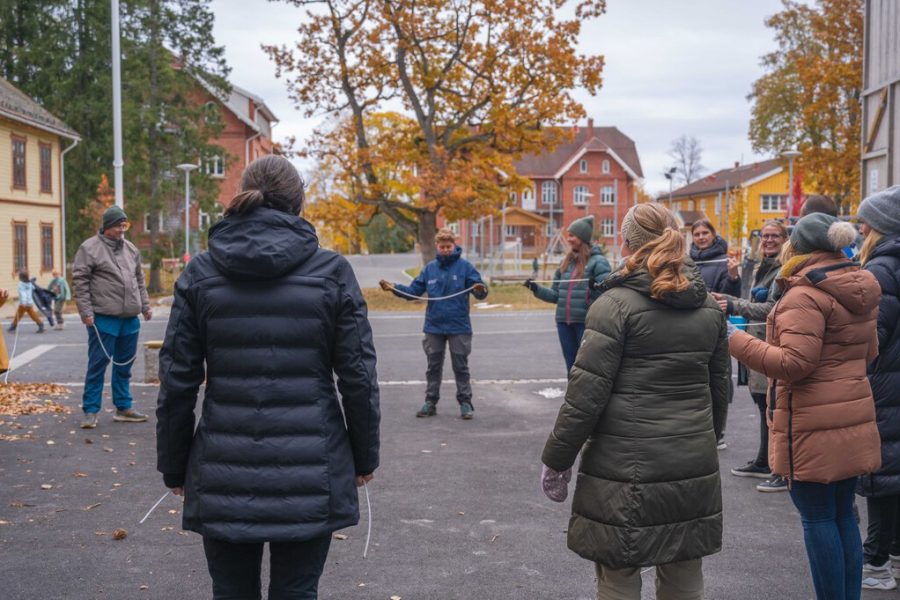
x,y
593,174
245,136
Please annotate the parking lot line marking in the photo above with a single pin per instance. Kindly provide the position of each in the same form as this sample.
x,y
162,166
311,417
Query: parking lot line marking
x,y
477,333
387,383
29,355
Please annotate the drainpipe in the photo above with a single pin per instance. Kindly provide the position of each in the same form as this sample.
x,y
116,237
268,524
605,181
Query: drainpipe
x,y
247,147
62,200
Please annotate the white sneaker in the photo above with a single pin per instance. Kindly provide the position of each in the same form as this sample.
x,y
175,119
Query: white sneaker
x,y
895,562
878,578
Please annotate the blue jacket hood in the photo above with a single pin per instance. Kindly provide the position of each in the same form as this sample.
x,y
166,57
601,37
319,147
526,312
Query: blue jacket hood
x,y
263,244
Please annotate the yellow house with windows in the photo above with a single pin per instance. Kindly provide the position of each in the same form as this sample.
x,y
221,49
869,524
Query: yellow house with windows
x,y
32,142
736,200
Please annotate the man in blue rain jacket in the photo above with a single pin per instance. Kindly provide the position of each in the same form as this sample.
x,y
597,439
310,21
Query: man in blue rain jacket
x,y
447,321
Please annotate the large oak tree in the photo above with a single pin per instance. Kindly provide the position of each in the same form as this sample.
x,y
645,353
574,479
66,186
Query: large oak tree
x,y
478,78
809,96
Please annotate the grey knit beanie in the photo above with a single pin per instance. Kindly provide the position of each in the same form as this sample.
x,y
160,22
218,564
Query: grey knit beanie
x,y
881,211
583,229
819,231
112,216
633,234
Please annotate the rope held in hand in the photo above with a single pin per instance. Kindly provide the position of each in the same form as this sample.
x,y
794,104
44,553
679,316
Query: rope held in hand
x,y
429,298
110,358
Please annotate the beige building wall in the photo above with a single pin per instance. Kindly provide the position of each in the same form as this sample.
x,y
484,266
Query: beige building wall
x,y
30,206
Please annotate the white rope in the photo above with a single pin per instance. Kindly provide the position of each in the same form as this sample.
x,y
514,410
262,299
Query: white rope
x,y
110,358
158,502
369,517
429,298
11,356
709,262
559,280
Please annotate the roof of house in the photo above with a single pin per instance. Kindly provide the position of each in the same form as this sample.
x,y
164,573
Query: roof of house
x,y
728,178
587,139
692,216
16,105
236,102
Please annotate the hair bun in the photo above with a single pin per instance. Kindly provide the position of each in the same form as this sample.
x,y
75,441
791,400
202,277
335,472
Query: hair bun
x,y
841,234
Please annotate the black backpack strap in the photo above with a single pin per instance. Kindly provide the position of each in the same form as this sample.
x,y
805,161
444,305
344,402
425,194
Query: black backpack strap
x,y
817,276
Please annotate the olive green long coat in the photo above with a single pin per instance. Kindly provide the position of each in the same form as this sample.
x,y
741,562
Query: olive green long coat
x,y
645,401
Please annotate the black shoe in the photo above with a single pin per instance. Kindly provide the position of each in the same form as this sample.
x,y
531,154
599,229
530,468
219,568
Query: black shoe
x,y
40,328
11,328
428,409
776,484
751,469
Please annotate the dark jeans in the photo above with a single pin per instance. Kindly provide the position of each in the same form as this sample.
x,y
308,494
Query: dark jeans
x,y
831,534
762,455
882,537
122,348
570,339
295,569
460,348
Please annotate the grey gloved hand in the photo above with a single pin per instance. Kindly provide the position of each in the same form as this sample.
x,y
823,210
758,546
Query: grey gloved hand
x,y
530,284
555,484
730,328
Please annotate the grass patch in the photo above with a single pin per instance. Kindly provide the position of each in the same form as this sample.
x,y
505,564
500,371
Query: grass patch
x,y
516,296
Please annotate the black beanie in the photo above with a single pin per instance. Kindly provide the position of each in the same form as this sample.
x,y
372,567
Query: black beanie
x,y
112,216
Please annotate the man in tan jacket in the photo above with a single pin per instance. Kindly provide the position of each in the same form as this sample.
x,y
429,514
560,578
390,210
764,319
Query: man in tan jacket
x,y
110,294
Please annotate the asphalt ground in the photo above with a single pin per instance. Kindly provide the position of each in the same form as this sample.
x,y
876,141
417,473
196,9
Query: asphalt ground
x,y
457,507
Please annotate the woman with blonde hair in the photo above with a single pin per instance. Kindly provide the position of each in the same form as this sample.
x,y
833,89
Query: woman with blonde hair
x,y
645,402
879,217
820,337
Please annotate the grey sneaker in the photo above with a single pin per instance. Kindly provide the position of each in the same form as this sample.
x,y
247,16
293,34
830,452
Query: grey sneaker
x,y
428,410
466,411
129,416
776,484
89,421
878,578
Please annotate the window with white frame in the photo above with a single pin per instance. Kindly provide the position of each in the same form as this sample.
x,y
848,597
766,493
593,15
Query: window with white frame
x,y
771,203
160,222
548,193
605,166
528,199
511,230
214,166
690,205
607,228
454,227
580,195
476,228
513,198
703,206
719,203
209,219
583,166
548,230
608,194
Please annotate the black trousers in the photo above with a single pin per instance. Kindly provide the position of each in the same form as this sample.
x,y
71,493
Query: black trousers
x,y
883,532
295,569
762,455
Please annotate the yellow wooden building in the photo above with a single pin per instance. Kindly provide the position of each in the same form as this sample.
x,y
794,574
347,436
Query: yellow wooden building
x,y
736,200
32,142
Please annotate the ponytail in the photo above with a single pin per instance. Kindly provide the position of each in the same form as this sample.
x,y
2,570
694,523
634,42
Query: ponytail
x,y
272,182
245,202
663,258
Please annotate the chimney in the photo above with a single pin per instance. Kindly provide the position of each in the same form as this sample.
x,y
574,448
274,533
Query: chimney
x,y
737,165
590,127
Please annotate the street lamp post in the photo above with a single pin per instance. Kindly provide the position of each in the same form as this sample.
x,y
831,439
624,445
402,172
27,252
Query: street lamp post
x,y
187,168
118,162
670,175
790,155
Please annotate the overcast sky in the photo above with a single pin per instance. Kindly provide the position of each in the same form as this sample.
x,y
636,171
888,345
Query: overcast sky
x,y
672,68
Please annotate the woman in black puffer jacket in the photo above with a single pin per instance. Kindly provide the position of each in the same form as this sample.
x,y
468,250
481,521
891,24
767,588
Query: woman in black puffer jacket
x,y
879,216
710,253
268,319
